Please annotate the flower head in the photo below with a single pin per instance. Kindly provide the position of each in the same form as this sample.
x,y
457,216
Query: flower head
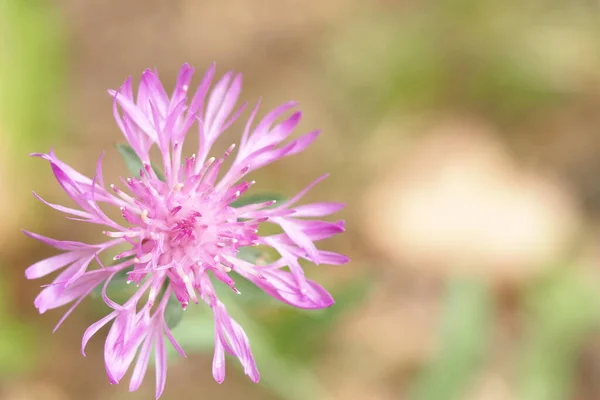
x,y
182,231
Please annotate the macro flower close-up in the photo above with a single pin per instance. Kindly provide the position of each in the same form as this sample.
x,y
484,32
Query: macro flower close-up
x,y
183,223
400,202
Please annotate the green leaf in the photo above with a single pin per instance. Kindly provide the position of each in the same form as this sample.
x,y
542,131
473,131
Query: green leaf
x,y
133,162
466,323
195,332
173,312
299,333
158,173
117,288
258,198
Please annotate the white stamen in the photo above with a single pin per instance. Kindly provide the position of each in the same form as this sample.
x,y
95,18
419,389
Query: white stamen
x,y
122,194
188,284
152,296
121,234
145,218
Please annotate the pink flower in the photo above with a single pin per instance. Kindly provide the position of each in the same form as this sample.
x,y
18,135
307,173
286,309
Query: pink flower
x,y
182,232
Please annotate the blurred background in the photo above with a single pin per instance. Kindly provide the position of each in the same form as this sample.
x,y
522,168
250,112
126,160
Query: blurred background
x,y
463,134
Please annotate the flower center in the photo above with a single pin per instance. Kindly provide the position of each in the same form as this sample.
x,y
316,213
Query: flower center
x,y
182,232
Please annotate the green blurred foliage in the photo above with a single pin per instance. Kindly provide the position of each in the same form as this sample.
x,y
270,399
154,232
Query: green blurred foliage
x,y
32,68
465,330
563,311
131,159
503,60
31,89
302,335
18,348
133,162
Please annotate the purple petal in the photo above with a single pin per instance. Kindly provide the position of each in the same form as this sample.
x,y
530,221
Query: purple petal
x,y
57,294
133,112
300,144
182,84
49,265
281,285
227,328
331,258
173,341
229,102
298,237
160,363
263,126
279,133
77,269
75,176
318,209
319,230
155,91
247,358
215,102
66,210
325,257
246,132
197,103
94,328
99,178
141,365
218,365
300,194
124,338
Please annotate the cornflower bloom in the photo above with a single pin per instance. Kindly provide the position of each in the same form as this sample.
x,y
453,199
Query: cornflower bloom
x,y
181,231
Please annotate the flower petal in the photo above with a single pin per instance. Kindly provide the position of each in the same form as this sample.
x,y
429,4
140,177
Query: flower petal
x,y
218,365
317,209
160,363
59,244
141,364
229,330
94,328
49,265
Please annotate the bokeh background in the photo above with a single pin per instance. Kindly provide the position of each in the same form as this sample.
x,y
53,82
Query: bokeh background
x,y
463,134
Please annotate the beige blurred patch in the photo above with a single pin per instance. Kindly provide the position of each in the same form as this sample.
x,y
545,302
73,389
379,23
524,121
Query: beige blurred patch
x,y
459,204
352,389
563,52
491,386
391,335
255,30
33,390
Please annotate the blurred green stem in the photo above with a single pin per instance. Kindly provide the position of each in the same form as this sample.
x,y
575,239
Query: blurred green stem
x,y
465,330
564,310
